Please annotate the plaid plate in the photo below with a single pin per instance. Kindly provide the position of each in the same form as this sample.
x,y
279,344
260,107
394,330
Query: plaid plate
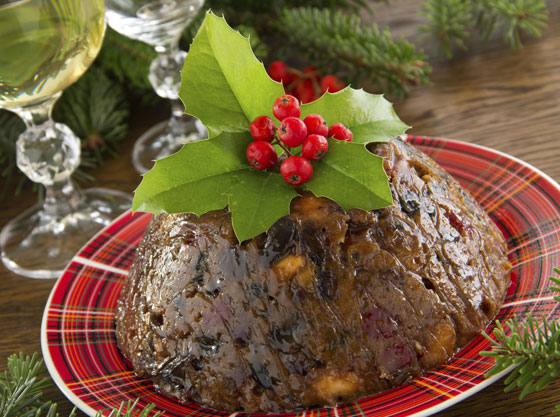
x,y
78,330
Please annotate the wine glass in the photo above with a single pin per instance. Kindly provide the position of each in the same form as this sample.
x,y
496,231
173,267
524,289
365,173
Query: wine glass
x,y
46,45
159,23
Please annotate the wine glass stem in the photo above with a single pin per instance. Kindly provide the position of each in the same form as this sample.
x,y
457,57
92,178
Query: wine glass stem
x,y
38,113
48,153
61,198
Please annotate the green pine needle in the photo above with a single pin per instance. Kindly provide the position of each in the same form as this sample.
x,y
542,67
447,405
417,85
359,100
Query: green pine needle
x,y
451,21
95,108
21,387
532,347
342,44
21,392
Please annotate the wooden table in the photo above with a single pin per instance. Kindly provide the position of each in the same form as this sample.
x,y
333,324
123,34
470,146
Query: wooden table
x,y
490,95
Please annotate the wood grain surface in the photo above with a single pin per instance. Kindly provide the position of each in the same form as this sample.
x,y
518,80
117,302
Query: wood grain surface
x,y
490,95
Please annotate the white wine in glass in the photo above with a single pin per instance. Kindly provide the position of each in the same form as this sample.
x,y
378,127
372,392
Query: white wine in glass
x,y
45,46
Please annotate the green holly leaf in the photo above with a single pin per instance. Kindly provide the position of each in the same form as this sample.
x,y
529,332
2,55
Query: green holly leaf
x,y
352,176
211,174
195,179
257,200
222,82
370,117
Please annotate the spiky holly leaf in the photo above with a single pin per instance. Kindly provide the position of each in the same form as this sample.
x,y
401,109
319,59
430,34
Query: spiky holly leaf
x,y
226,87
370,117
352,176
213,173
222,83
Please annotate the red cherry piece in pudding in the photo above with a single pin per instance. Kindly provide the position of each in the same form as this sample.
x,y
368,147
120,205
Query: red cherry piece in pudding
x,y
263,128
292,131
316,125
261,155
296,170
286,106
331,83
314,147
340,132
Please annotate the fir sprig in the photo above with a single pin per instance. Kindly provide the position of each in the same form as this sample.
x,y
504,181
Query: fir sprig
x,y
452,21
21,387
95,108
21,392
343,44
532,347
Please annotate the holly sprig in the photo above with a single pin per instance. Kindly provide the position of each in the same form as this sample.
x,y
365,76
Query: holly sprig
x,y
226,87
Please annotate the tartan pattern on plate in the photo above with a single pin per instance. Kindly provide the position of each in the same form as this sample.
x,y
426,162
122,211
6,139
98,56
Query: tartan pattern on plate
x,y
79,333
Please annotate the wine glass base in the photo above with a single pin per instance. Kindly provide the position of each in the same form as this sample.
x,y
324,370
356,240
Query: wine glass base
x,y
163,140
37,244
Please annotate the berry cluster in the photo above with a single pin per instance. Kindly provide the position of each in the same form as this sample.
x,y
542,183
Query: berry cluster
x,y
307,85
310,133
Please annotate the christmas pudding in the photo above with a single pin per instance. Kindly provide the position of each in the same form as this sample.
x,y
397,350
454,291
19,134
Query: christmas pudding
x,y
329,305
264,285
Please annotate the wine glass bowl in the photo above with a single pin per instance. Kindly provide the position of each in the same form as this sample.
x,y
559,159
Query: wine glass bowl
x,y
46,45
153,22
160,24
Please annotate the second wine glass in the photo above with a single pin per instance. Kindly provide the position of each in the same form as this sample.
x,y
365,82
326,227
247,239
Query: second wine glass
x,y
160,24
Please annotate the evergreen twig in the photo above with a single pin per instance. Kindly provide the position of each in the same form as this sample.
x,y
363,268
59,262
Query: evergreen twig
x,y
333,39
452,21
21,392
532,347
95,108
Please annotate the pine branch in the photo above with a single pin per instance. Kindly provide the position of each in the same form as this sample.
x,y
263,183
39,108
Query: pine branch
x,y
452,21
341,44
449,21
21,387
533,347
21,392
95,108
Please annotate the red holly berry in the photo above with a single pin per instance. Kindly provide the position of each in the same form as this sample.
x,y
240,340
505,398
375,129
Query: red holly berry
x,y
305,90
340,132
296,170
263,128
286,106
292,131
331,83
261,155
312,72
280,72
316,125
314,147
